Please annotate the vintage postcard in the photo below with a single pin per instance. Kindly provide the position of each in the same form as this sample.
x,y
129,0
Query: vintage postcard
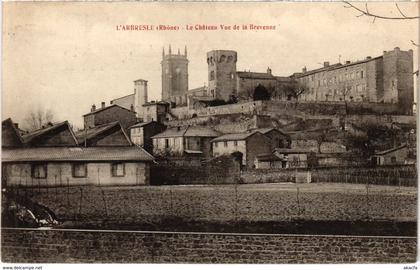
x,y
209,132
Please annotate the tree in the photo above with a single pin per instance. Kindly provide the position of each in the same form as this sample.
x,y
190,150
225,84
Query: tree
x,y
37,118
261,93
365,12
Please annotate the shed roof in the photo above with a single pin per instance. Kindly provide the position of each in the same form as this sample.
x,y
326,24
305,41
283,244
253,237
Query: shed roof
x,y
128,153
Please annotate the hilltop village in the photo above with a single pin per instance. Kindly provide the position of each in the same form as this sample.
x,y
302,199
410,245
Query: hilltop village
x,y
356,113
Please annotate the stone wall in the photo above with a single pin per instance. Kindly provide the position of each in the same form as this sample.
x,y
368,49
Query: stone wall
x,y
384,175
224,203
84,246
221,170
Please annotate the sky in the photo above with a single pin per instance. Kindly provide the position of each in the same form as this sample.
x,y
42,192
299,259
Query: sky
x,y
67,56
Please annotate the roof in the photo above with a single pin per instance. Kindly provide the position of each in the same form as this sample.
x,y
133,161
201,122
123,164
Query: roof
x,y
291,151
188,131
391,150
268,157
335,66
29,137
255,75
93,132
142,124
155,103
17,134
234,136
127,153
126,96
267,130
106,108
193,152
197,89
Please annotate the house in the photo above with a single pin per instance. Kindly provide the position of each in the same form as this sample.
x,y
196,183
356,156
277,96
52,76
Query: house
x,y
64,166
111,134
51,135
141,134
279,139
249,144
10,135
393,156
189,140
155,111
110,114
283,158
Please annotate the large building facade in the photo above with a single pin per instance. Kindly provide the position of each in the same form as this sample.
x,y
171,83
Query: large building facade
x,y
175,77
384,79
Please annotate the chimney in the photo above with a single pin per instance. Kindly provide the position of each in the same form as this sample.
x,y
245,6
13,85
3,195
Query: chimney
x,y
368,57
132,107
396,48
304,69
16,125
347,62
93,108
178,128
326,64
269,70
384,52
102,104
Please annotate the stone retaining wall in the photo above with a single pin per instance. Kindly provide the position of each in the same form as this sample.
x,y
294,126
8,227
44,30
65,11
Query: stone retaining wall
x,y
77,246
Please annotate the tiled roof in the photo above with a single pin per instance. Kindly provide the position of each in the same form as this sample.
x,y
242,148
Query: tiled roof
x,y
106,108
189,131
128,153
29,137
96,131
234,136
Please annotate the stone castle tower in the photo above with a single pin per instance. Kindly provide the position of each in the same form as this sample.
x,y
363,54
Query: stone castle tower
x,y
175,77
222,74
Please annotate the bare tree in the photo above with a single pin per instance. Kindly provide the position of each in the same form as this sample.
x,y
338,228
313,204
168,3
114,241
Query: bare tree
x,y
38,118
366,12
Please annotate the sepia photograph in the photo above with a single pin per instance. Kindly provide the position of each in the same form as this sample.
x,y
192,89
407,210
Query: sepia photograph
x,y
209,133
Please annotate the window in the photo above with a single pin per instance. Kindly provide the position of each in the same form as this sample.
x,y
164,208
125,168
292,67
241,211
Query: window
x,y
225,144
117,169
235,143
393,160
215,144
361,74
79,170
166,143
39,171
